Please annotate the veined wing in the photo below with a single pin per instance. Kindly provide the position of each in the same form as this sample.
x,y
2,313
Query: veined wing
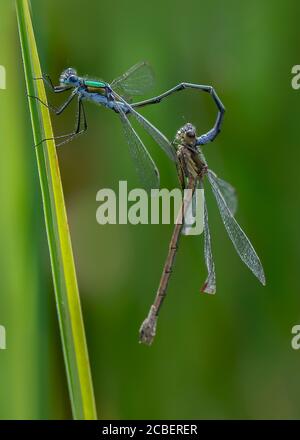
x,y
228,192
239,239
145,166
135,82
210,283
189,218
194,211
160,138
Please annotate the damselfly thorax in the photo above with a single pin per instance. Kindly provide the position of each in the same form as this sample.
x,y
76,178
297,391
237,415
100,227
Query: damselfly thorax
x,y
100,93
191,163
98,90
191,167
98,87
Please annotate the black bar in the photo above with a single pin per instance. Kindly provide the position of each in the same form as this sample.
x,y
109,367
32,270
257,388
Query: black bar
x,y
138,428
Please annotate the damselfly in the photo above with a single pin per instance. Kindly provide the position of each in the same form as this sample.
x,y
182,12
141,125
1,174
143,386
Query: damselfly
x,y
192,169
117,96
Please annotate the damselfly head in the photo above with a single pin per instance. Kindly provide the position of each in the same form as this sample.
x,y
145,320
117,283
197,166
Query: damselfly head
x,y
69,77
186,135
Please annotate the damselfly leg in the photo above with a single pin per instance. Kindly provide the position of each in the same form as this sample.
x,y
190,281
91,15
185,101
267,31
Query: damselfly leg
x,y
81,120
48,82
57,110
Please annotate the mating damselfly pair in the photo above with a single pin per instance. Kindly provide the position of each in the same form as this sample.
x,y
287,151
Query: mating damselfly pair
x,y
184,151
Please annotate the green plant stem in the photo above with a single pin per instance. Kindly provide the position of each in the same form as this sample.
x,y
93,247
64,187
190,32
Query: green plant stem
x,y
62,261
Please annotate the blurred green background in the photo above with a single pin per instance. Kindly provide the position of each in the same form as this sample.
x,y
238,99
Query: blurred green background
x,y
222,356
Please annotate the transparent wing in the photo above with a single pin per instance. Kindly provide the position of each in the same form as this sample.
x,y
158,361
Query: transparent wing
x,y
239,239
210,283
189,215
145,166
194,212
160,138
135,82
228,192
156,135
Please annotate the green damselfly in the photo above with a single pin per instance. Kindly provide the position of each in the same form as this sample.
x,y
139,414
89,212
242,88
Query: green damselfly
x,y
118,96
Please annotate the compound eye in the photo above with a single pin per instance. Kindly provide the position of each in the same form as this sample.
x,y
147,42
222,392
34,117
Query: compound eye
x,y
72,78
190,133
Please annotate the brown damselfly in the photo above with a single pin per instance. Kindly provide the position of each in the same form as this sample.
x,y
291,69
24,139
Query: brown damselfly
x,y
192,169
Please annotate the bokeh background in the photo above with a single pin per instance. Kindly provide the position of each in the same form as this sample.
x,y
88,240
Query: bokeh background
x,y
222,356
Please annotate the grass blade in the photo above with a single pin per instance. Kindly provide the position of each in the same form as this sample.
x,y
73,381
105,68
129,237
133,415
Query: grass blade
x,y
62,261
